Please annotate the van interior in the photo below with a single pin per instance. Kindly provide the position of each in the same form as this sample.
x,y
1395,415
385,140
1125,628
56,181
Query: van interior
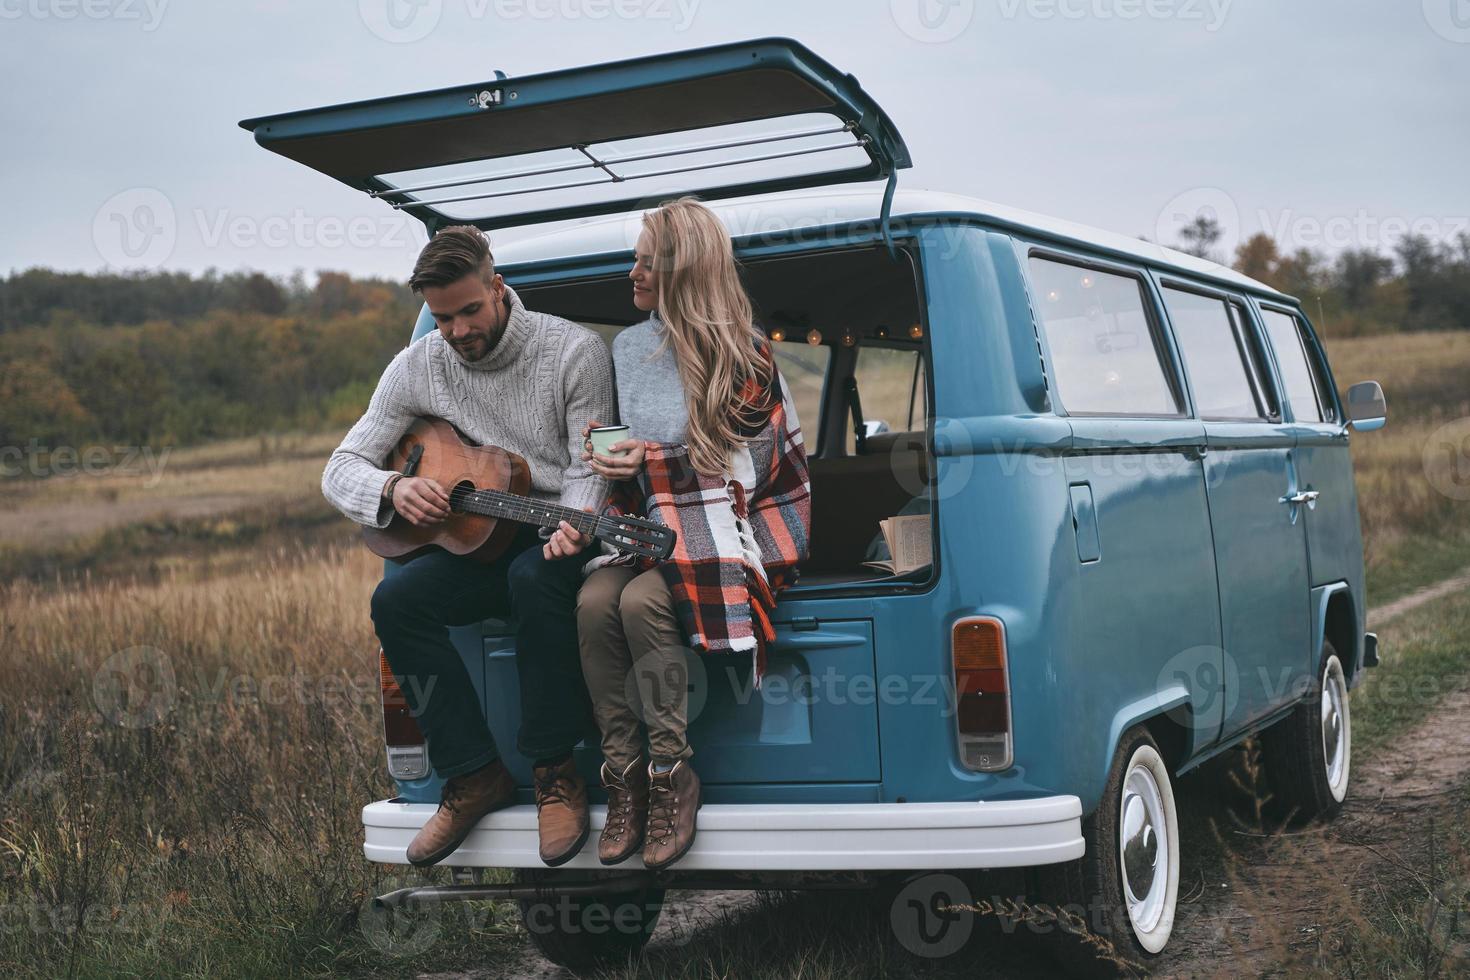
x,y
852,344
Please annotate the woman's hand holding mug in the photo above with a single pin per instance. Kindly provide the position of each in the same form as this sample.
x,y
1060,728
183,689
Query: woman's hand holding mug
x,y
620,460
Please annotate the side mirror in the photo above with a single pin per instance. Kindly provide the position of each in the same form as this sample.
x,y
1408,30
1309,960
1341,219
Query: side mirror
x,y
1366,408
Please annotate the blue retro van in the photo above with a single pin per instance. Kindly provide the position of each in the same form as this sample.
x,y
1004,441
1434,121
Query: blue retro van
x,y
1130,465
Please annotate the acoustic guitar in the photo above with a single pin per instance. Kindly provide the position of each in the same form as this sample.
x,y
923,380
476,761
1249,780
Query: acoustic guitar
x,y
487,499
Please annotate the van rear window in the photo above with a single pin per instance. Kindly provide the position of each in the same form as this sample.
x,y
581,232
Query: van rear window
x,y
1104,351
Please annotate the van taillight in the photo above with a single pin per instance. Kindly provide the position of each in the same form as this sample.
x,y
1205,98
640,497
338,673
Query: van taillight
x,y
982,693
408,756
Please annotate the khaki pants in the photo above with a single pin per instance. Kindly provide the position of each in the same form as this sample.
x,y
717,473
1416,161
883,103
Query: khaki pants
x,y
633,657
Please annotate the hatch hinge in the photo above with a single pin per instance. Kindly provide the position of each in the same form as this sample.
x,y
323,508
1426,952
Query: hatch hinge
x,y
885,217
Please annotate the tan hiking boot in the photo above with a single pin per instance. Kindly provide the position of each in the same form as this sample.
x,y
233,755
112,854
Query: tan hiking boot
x,y
627,812
465,799
561,812
673,801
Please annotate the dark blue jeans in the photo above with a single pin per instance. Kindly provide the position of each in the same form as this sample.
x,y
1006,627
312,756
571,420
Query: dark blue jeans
x,y
417,602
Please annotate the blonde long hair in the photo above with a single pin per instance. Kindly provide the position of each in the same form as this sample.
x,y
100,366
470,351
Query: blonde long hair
x,y
709,321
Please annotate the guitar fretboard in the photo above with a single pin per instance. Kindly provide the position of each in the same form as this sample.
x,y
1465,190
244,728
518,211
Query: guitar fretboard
x,y
498,503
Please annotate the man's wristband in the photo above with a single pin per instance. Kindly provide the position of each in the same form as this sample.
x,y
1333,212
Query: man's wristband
x,y
388,487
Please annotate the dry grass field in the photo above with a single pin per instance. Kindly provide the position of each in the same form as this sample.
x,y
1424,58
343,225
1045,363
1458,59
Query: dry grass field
x,y
189,726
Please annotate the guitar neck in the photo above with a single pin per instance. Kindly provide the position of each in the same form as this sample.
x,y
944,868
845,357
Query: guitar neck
x,y
513,507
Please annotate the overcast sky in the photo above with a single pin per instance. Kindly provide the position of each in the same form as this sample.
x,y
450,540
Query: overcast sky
x,y
1330,124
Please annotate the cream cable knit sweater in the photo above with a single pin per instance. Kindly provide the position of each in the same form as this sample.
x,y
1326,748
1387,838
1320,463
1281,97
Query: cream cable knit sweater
x,y
531,395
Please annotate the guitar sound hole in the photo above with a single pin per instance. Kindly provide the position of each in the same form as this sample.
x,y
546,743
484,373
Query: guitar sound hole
x,y
461,490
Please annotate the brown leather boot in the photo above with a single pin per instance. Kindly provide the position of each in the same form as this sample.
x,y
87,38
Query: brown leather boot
x,y
561,812
673,801
627,812
464,800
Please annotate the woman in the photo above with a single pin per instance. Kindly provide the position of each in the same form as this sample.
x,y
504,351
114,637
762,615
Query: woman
x,y
715,453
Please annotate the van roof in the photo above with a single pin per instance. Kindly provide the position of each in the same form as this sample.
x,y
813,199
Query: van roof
x,y
791,211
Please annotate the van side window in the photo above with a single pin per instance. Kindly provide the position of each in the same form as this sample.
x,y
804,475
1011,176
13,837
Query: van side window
x,y
1291,358
804,367
1255,360
890,384
1217,365
1105,353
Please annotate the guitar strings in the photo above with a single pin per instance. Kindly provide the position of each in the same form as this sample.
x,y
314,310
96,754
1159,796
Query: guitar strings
x,y
526,510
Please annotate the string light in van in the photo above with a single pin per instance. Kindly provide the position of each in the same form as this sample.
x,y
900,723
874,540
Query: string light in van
x,y
814,336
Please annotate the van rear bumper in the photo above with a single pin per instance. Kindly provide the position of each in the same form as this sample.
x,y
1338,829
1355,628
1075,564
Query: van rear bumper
x,y
783,837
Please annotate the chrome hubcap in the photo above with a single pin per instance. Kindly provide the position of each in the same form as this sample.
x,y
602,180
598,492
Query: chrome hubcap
x,y
1145,851
1334,721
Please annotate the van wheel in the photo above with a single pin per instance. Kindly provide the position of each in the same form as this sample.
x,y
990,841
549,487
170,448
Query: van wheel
x,y
1118,900
1308,753
584,932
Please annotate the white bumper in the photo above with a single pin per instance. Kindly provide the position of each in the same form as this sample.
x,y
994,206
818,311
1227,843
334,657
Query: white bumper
x,y
783,837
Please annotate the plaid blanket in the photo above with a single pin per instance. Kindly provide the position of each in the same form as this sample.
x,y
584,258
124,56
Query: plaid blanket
x,y
741,534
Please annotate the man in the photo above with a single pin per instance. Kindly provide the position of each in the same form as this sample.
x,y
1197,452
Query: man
x,y
528,383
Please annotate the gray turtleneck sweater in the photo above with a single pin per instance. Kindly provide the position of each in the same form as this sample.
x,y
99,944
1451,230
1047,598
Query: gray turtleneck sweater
x,y
531,395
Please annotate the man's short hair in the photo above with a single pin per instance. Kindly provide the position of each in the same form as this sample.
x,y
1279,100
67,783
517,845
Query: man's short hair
x,y
452,254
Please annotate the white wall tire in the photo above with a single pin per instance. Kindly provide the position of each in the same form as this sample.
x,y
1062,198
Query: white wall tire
x,y
1308,754
1125,889
1148,849
1337,730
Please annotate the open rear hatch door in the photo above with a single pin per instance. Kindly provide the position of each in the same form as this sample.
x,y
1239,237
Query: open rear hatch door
x,y
725,121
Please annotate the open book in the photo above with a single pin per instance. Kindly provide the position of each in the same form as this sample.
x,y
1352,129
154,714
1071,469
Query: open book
x,y
909,542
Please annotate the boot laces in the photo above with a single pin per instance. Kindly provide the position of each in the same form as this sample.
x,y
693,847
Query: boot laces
x,y
663,806
453,795
551,787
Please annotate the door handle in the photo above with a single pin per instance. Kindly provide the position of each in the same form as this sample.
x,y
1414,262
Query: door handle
x,y
1308,497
